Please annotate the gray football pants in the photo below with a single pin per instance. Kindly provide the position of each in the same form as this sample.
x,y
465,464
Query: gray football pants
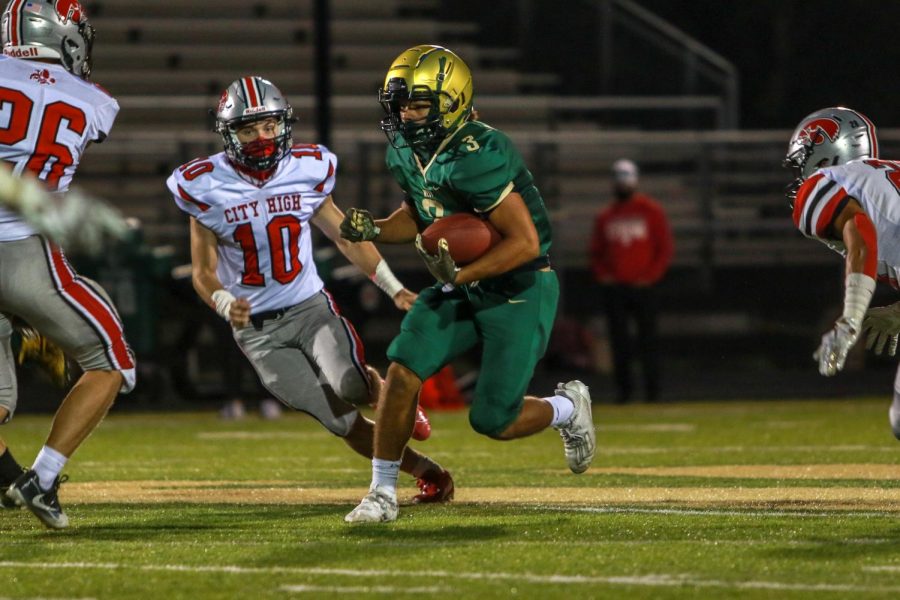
x,y
38,285
311,359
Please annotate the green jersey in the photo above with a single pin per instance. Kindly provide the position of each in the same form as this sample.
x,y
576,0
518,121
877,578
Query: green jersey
x,y
472,171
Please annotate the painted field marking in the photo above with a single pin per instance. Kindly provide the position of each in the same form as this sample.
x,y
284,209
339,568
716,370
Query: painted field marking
x,y
362,589
44,598
812,498
712,512
652,580
852,471
883,569
259,435
651,427
741,449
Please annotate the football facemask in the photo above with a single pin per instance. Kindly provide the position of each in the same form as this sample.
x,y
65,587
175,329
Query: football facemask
x,y
426,73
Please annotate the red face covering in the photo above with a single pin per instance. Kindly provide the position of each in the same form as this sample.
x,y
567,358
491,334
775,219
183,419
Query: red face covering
x,y
259,148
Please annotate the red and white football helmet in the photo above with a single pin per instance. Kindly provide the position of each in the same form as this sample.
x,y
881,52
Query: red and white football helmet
x,y
49,29
253,99
828,137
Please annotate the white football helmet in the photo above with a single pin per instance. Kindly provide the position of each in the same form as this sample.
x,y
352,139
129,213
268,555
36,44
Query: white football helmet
x,y
253,99
49,29
828,137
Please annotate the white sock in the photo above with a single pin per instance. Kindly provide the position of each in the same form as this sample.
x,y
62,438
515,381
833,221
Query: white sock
x,y
48,465
385,473
562,409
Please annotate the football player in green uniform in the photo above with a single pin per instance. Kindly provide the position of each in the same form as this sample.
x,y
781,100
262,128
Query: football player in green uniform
x,y
506,300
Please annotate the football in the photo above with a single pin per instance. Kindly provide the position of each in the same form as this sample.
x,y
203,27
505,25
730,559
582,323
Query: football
x,y
467,235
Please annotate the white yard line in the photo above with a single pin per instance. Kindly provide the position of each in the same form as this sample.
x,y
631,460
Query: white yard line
x,y
656,580
362,589
651,427
883,569
44,598
712,512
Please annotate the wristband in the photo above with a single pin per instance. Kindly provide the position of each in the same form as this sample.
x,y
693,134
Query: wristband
x,y
385,279
857,295
223,301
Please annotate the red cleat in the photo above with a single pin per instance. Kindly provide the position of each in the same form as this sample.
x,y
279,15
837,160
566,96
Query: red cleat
x,y
422,428
434,487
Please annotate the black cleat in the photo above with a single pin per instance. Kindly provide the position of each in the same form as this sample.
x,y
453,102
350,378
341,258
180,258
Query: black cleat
x,y
6,501
27,492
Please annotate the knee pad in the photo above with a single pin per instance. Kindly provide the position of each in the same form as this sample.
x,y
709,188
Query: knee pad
x,y
489,420
353,388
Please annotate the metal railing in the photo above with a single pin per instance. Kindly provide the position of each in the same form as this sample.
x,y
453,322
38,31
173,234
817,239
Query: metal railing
x,y
723,190
698,60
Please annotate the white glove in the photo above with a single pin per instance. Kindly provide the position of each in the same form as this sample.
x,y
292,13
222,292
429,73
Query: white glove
x,y
76,221
882,327
832,352
73,220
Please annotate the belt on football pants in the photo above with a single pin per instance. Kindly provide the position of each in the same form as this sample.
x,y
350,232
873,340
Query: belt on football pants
x,y
259,318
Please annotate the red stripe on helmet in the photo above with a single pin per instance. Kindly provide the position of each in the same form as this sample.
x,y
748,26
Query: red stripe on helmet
x,y
252,94
872,138
14,20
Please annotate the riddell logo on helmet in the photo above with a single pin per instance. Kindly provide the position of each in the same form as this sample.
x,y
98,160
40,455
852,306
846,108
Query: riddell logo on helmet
x,y
817,130
21,52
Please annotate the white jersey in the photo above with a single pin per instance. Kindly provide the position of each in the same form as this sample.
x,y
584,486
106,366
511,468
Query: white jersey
x,y
264,243
47,118
875,184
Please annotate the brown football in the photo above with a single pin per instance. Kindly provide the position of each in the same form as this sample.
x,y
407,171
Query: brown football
x,y
467,235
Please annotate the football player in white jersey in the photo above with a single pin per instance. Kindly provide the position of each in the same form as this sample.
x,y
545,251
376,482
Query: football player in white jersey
x,y
250,210
51,112
847,197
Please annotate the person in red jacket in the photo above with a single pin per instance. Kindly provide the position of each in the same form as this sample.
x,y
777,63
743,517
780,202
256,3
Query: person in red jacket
x,y
631,249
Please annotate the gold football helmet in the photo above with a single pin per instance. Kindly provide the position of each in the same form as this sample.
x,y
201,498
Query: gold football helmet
x,y
426,73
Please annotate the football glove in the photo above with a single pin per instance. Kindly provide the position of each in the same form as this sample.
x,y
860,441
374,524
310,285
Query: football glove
x,y
832,352
441,265
47,355
359,226
882,327
72,220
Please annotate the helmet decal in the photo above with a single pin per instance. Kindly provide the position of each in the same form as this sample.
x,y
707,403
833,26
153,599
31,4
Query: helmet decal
x,y
817,130
69,10
223,101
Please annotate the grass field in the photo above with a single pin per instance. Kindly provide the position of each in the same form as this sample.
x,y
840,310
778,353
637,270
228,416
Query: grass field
x,y
729,500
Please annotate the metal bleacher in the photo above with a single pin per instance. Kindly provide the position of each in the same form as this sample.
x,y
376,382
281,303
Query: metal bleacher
x,y
166,61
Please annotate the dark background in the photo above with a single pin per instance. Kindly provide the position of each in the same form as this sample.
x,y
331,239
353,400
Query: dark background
x,y
793,55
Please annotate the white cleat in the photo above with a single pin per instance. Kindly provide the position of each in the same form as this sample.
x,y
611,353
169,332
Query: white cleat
x,y
894,416
579,437
379,506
